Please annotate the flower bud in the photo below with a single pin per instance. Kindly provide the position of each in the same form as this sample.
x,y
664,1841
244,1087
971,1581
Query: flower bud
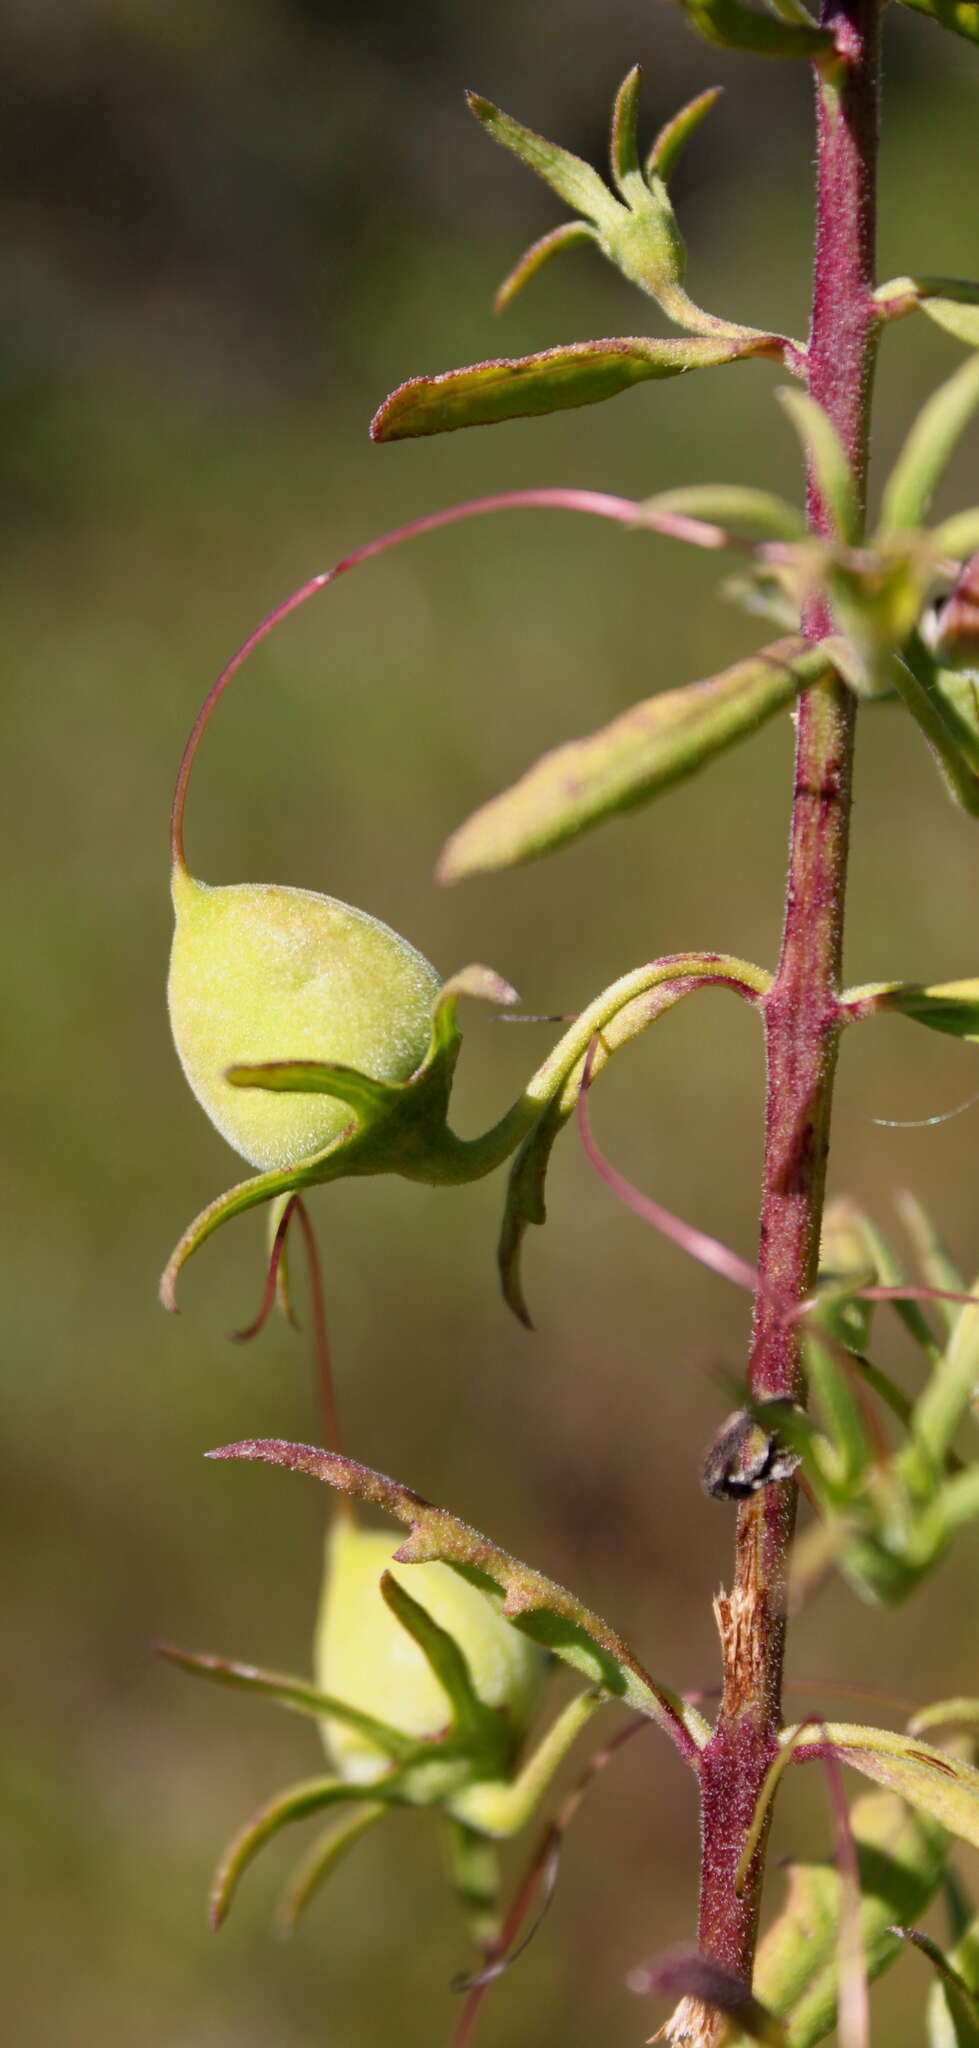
x,y
365,1657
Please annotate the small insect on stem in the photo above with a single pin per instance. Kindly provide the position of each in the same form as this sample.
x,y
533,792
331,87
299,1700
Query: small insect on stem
x,y
746,1454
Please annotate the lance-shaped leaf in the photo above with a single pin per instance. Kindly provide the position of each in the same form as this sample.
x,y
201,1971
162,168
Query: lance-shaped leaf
x,y
540,1608
580,373
478,1726
735,26
961,16
569,235
928,449
949,1006
942,1787
951,302
758,515
941,703
644,751
900,1858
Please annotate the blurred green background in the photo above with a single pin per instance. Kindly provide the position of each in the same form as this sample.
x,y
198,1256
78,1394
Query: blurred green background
x,y
229,229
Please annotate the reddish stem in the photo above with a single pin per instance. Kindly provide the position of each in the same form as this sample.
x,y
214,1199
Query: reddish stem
x,y
802,1024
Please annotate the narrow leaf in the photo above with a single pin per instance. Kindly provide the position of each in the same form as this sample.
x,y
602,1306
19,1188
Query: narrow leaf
x,y
900,1859
952,302
938,1268
533,259
928,449
834,477
675,133
655,744
957,1713
949,1006
953,2008
961,16
319,1077
569,176
541,1609
579,373
940,1786
759,515
736,26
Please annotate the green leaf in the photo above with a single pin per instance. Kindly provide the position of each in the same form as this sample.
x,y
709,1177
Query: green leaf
x,y
949,1006
957,1713
574,181
823,449
644,751
961,16
540,252
935,1262
536,1605
675,133
928,449
797,1969
951,302
946,1398
759,515
938,700
736,26
579,373
940,1786
296,1694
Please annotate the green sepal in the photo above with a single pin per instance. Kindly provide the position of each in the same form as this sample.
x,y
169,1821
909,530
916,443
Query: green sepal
x,y
624,146
900,1859
928,449
823,449
675,133
960,16
327,1851
735,26
312,1795
479,1729
953,2004
568,236
579,373
647,749
296,1694
574,181
400,1129
542,1610
941,1786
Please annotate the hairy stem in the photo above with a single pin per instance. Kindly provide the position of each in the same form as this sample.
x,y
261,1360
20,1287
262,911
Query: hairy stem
x,y
802,1025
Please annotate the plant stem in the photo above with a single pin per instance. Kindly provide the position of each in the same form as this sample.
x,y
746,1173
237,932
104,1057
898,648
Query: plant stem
x,y
802,1025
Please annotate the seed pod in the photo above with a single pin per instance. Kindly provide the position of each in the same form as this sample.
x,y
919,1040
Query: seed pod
x,y
260,972
364,1656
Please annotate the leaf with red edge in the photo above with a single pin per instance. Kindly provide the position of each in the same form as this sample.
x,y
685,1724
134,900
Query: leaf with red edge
x,y
579,373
